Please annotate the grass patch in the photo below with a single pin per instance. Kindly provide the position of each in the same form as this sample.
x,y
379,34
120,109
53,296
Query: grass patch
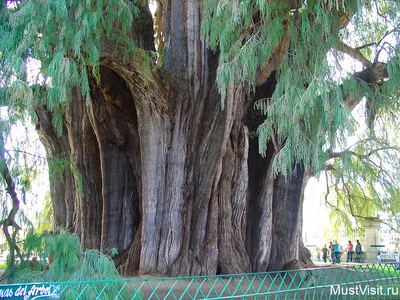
x,y
384,270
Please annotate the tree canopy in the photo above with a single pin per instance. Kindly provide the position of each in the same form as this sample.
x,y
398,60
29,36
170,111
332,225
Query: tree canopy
x,y
310,108
310,114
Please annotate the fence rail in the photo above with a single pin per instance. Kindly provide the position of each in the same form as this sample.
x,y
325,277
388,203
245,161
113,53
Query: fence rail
x,y
371,257
349,282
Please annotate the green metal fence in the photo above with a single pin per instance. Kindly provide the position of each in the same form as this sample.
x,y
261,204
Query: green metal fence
x,y
344,282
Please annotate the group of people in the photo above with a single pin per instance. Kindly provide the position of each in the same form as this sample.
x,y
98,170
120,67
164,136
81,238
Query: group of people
x,y
335,251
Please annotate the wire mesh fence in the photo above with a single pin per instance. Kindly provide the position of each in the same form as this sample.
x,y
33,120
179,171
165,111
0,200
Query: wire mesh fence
x,y
345,282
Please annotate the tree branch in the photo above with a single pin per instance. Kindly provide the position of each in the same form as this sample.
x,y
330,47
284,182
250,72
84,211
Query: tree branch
x,y
348,195
333,154
353,214
327,187
354,53
275,60
27,153
373,75
380,40
361,157
10,220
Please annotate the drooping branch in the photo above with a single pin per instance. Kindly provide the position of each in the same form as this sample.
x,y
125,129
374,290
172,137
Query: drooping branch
x,y
10,187
283,46
10,220
365,158
350,188
336,208
357,216
327,202
362,157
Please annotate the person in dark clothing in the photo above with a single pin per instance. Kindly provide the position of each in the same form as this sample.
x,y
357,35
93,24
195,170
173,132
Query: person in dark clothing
x,y
324,254
358,251
331,252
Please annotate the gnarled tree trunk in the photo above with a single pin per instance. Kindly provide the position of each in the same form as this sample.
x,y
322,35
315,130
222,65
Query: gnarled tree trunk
x,y
159,171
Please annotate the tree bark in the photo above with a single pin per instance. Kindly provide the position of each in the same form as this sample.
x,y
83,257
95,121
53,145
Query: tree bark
x,y
62,187
159,171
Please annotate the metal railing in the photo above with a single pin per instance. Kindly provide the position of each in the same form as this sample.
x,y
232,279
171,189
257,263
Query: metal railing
x,y
371,257
343,282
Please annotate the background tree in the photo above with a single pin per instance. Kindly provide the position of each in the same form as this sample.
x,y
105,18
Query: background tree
x,y
160,164
362,180
19,167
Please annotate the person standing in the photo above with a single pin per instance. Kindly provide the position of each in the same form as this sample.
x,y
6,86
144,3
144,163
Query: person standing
x,y
324,254
358,251
336,252
349,252
331,252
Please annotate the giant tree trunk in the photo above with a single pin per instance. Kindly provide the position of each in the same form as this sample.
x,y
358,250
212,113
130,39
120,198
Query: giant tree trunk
x,y
159,171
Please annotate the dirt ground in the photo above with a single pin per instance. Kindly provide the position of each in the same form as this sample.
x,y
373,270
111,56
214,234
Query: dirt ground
x,y
317,283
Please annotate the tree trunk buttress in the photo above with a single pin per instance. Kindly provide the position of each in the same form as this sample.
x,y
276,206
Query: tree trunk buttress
x,y
286,219
62,186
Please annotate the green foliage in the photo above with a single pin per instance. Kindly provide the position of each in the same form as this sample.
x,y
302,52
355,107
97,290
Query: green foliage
x,y
65,260
62,259
77,176
308,117
371,186
32,257
33,244
20,166
45,216
66,38
147,58
57,166
252,135
98,266
65,250
307,113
